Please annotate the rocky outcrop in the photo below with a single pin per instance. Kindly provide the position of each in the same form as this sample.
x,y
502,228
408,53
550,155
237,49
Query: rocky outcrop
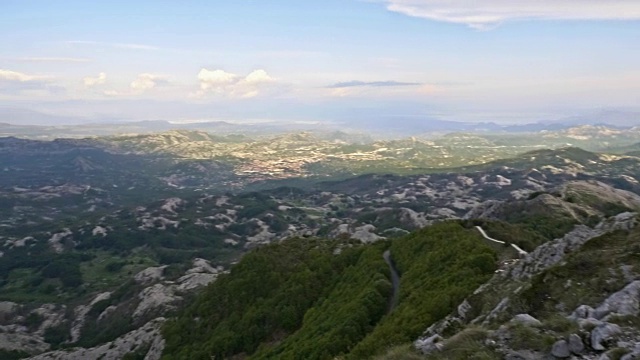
x,y
366,234
147,336
165,295
81,312
526,320
551,253
486,210
15,337
150,275
56,240
597,333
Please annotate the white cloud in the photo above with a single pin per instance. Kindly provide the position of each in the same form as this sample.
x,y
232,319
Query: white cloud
x,y
111,93
146,81
215,79
52,59
14,82
117,45
257,77
224,83
8,75
489,13
94,81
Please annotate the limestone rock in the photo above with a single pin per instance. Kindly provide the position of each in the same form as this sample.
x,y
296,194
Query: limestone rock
x,y
366,234
602,333
195,280
81,312
430,344
623,302
463,309
553,252
157,297
526,319
582,312
150,275
560,349
12,338
576,345
149,334
201,266
486,210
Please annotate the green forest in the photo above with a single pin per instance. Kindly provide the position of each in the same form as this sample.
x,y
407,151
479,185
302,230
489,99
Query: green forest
x,y
321,299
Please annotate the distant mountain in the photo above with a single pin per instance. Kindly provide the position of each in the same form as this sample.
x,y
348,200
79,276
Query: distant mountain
x,y
611,118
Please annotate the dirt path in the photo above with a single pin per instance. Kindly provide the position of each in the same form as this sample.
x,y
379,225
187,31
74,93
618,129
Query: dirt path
x,y
484,234
395,280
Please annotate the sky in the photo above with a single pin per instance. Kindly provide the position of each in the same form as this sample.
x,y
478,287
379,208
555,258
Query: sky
x,y
506,61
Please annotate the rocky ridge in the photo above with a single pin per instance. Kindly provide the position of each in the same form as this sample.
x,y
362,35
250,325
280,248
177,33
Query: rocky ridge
x,y
595,332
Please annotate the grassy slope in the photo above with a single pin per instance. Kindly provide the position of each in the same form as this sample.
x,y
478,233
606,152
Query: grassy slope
x,y
298,300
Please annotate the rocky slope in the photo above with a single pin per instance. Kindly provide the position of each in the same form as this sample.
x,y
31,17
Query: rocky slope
x,y
540,307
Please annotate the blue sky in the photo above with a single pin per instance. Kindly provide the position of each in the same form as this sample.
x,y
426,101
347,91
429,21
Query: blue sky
x,y
329,60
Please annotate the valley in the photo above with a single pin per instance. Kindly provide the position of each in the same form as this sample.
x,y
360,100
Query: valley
x,y
106,239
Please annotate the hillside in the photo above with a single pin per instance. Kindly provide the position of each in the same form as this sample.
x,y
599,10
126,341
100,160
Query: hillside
x,y
99,251
334,300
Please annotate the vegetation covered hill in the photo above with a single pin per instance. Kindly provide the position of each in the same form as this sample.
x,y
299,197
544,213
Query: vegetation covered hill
x,y
315,299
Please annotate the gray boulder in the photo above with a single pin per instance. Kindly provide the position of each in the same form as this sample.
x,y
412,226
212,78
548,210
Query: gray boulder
x,y
623,302
582,312
602,333
430,344
576,345
526,319
560,349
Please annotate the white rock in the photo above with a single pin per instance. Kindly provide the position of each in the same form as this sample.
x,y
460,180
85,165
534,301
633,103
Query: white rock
x,y
149,334
526,319
149,275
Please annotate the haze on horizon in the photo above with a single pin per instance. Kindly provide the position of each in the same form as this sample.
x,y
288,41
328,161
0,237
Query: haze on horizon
x,y
331,60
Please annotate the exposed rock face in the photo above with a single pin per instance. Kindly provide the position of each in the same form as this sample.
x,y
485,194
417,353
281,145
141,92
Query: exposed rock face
x,y
622,221
366,234
551,253
19,337
14,337
526,319
592,321
81,312
172,204
147,335
430,344
149,275
603,191
52,314
56,240
155,297
623,302
163,296
412,218
576,345
603,333
264,236
486,210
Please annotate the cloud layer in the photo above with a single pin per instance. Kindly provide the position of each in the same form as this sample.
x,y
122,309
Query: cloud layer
x,y
146,81
14,82
489,13
356,83
220,82
95,81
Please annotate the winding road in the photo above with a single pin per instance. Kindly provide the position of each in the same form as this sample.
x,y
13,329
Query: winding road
x,y
395,280
484,234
